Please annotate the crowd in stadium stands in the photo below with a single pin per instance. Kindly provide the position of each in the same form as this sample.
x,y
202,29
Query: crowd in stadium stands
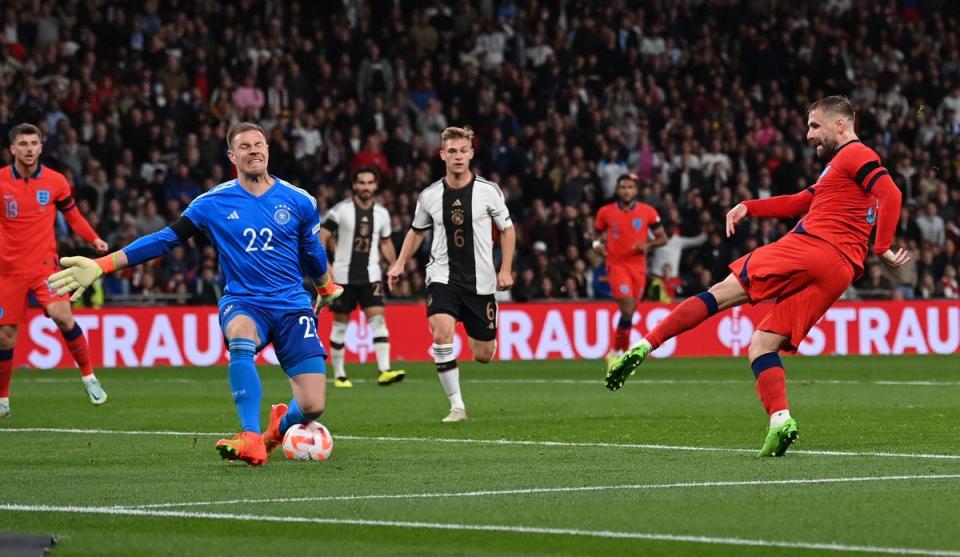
x,y
705,100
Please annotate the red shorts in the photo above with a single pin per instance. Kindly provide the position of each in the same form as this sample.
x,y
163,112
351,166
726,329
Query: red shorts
x,y
627,280
802,274
14,290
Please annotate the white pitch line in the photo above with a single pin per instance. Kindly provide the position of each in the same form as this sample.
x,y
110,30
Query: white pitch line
x,y
647,536
560,444
910,383
551,490
655,447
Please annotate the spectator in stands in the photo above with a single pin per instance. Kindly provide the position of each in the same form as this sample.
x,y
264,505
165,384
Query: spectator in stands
x,y
149,220
248,99
949,288
932,228
874,285
564,95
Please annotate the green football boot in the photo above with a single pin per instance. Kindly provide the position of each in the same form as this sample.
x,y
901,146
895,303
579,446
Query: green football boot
x,y
625,365
779,439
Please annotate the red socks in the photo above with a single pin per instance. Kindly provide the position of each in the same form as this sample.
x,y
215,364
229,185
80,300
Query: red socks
x,y
6,372
77,343
690,313
771,382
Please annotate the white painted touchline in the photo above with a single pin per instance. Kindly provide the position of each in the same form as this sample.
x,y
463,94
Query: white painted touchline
x,y
648,536
560,444
550,490
746,381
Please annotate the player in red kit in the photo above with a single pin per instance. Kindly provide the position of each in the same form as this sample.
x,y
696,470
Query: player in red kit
x,y
805,271
626,224
32,194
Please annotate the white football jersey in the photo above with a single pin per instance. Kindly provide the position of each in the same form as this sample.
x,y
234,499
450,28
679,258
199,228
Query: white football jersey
x,y
356,259
462,220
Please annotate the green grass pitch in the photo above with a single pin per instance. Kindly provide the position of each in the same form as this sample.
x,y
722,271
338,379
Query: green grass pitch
x,y
550,463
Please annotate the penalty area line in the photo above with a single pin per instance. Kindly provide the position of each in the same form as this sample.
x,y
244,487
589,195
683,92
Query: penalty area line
x,y
645,536
517,442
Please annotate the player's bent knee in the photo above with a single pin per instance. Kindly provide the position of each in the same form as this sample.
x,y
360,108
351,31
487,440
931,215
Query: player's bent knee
x,y
483,352
8,337
64,322
729,293
61,315
242,326
763,342
443,337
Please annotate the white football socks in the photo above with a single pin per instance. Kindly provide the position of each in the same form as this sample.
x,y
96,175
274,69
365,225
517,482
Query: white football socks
x,y
449,374
337,335
381,344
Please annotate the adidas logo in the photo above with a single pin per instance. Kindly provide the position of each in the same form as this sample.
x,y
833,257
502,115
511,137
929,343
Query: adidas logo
x,y
457,203
364,219
233,216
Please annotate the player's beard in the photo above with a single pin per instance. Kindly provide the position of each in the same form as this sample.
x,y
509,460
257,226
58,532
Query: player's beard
x,y
364,195
826,150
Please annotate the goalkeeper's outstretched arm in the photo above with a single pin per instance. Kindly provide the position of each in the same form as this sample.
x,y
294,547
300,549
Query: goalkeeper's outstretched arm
x,y
80,272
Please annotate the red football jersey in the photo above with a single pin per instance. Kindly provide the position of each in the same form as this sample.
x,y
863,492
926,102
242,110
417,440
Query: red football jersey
x,y
625,226
30,203
844,208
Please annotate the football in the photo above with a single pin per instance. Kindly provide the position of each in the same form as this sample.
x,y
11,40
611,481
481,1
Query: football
x,y
310,441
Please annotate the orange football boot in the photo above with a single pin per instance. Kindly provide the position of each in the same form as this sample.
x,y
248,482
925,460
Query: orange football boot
x,y
246,446
272,437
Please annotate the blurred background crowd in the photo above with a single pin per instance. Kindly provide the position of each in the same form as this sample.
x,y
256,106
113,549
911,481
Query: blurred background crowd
x,y
705,100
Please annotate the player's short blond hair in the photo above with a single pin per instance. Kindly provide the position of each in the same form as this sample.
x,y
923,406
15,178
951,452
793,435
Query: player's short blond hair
x,y
835,104
241,127
454,132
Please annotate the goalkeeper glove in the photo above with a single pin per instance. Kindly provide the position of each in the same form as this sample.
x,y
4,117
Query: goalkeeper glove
x,y
78,274
327,293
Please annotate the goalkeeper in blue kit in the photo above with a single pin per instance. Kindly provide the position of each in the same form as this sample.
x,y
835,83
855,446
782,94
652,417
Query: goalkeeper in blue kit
x,y
265,231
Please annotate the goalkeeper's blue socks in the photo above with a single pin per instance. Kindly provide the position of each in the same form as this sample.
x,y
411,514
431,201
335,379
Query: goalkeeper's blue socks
x,y
245,383
295,416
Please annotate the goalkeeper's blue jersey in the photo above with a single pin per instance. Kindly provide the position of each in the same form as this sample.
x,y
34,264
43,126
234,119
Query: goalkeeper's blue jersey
x,y
264,242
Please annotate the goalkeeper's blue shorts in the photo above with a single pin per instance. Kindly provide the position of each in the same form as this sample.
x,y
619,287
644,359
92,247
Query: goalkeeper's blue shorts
x,y
293,334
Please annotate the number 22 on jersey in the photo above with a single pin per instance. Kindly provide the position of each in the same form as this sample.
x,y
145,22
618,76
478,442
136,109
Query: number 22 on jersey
x,y
265,236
